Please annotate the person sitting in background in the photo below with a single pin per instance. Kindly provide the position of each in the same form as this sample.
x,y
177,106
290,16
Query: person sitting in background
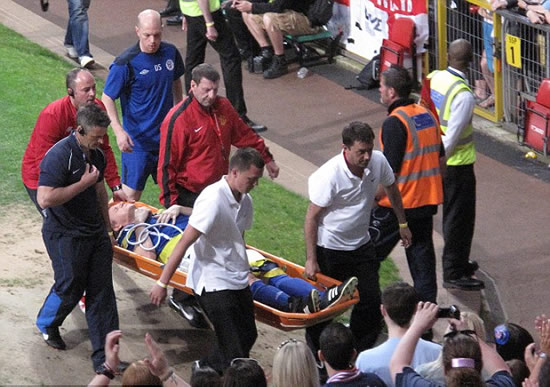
x,y
155,236
338,354
268,22
399,302
463,356
294,365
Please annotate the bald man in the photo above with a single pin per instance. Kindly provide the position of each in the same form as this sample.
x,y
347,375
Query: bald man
x,y
454,103
146,78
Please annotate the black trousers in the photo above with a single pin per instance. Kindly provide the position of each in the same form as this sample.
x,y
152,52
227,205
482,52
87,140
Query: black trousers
x,y
459,214
81,264
384,231
366,318
246,43
227,50
232,314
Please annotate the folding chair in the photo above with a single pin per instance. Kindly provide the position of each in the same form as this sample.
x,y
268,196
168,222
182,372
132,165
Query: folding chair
x,y
399,46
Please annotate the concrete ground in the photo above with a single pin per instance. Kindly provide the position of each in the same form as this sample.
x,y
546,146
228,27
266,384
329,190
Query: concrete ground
x,y
305,118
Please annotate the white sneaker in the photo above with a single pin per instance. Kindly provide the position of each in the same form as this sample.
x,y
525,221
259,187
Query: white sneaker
x,y
86,61
71,52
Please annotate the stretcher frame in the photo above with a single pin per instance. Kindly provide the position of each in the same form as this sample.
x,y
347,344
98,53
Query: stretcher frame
x,y
264,313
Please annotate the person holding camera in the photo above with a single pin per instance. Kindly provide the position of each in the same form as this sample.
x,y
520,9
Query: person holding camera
x,y
464,355
399,302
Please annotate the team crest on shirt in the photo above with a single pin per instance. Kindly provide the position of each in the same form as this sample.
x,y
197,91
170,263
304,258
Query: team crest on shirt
x,y
223,120
170,64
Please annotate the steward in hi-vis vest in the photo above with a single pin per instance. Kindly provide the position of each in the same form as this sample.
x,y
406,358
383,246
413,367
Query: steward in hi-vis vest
x,y
411,141
454,103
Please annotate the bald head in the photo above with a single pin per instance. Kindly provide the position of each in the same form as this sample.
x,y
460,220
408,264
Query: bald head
x,y
460,54
148,16
149,31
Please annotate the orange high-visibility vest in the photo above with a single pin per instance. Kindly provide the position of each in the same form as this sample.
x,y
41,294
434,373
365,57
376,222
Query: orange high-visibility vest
x,y
419,179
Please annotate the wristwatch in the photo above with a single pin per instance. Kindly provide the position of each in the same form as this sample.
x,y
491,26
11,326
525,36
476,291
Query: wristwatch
x,y
105,370
116,188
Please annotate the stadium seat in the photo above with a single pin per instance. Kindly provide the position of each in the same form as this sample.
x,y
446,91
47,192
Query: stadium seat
x,y
399,48
537,118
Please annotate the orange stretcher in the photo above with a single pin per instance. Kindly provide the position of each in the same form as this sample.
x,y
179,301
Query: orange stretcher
x,y
266,314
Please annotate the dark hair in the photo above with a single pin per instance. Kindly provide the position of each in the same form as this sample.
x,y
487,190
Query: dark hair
x,y
70,78
519,371
244,158
138,374
357,131
399,79
336,344
462,346
205,377
512,341
400,300
91,116
244,373
205,70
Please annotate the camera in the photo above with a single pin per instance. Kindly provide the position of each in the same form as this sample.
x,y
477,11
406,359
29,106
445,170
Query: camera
x,y
449,312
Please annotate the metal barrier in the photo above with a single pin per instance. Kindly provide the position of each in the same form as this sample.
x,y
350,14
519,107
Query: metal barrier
x,y
454,20
525,64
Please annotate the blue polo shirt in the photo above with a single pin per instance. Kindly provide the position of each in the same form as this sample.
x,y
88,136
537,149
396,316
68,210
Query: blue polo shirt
x,y
143,82
63,165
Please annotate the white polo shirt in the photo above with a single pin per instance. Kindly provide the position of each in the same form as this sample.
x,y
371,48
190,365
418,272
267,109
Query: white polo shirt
x,y
219,259
347,199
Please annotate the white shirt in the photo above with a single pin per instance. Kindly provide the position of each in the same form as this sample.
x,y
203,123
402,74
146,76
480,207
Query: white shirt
x,y
347,199
219,259
462,112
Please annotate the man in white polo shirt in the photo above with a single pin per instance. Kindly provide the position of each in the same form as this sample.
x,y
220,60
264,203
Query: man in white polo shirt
x,y
218,273
341,194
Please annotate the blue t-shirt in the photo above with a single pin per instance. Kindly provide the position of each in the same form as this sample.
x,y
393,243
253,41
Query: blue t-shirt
x,y
160,235
143,82
63,165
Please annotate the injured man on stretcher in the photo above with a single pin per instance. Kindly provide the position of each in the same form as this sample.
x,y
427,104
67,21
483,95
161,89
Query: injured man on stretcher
x,y
155,236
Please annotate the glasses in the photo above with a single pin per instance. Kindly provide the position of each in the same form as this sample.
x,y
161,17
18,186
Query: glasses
x,y
239,360
287,342
453,333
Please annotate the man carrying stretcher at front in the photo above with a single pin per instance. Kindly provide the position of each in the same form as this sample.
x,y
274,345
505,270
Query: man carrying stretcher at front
x,y
154,237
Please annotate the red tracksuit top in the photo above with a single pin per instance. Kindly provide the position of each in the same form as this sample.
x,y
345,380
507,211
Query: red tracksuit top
x,y
195,144
55,122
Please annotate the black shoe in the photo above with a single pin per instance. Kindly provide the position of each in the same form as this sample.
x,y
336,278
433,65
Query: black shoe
x,y
340,293
175,20
263,61
189,312
169,11
53,339
307,305
464,283
278,67
471,268
250,64
255,127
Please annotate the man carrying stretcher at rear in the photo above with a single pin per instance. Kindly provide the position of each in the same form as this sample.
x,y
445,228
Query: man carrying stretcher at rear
x,y
154,237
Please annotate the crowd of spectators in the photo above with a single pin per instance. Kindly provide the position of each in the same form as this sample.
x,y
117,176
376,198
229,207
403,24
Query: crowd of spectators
x,y
466,355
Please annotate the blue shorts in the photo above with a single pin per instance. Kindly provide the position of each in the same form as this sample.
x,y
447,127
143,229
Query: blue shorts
x,y
136,168
488,44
